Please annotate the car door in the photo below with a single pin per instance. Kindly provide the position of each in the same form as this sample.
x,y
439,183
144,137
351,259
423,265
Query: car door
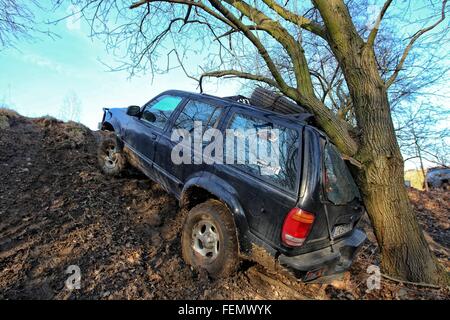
x,y
143,132
267,193
204,113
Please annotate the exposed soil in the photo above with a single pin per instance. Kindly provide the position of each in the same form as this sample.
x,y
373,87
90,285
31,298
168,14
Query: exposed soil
x,y
57,209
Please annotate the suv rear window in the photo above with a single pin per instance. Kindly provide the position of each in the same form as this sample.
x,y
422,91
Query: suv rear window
x,y
284,145
340,188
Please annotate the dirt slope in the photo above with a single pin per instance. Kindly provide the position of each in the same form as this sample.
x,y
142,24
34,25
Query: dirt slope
x,y
57,210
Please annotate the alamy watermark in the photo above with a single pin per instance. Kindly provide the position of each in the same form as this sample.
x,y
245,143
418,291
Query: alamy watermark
x,y
260,147
373,16
73,21
74,280
374,280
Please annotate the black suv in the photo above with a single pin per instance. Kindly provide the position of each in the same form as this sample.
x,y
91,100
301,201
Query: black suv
x,y
438,178
300,218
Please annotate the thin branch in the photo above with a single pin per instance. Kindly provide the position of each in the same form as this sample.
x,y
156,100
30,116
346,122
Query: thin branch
x,y
296,19
374,32
253,39
180,63
417,284
236,74
282,35
408,48
190,3
251,27
188,13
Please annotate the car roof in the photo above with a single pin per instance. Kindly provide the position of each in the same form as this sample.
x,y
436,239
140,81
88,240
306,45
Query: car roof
x,y
430,170
290,119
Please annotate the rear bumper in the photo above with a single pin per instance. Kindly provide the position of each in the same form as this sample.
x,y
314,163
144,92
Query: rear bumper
x,y
325,262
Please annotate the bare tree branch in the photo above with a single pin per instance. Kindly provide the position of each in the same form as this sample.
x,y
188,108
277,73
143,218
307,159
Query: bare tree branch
x,y
19,21
408,48
280,34
190,3
253,39
298,20
236,74
374,32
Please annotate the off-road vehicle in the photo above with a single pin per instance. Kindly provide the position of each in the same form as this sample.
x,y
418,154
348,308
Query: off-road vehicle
x,y
302,218
438,178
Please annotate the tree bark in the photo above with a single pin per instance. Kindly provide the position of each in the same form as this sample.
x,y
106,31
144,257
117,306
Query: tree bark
x,y
404,251
419,154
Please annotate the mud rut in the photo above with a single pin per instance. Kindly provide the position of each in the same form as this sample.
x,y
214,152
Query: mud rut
x,y
57,210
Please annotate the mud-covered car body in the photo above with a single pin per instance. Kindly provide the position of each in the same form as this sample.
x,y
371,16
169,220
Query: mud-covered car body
x,y
259,206
438,177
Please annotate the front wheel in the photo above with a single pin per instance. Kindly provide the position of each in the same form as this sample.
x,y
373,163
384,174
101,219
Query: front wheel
x,y
111,161
209,239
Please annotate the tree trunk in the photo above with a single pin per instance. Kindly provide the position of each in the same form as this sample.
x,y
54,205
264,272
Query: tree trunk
x,y
404,251
422,168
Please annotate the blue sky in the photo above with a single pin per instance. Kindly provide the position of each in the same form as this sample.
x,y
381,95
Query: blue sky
x,y
37,75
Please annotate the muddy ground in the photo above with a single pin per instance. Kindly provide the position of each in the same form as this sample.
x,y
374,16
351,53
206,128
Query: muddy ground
x,y
58,210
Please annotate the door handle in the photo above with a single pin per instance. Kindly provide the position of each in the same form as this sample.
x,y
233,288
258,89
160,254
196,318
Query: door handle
x,y
153,136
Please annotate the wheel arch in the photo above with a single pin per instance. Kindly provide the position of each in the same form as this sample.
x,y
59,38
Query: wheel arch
x,y
107,126
110,127
201,188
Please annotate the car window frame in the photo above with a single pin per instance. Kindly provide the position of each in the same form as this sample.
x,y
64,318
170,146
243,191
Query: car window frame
x,y
326,143
267,182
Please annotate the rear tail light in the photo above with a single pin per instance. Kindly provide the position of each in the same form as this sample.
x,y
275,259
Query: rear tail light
x,y
296,227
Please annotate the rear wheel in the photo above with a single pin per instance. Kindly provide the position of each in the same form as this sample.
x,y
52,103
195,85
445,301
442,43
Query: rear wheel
x,y
445,186
111,160
209,239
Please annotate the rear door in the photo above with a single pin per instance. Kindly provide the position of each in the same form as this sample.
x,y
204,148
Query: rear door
x,y
328,191
342,197
267,190
202,113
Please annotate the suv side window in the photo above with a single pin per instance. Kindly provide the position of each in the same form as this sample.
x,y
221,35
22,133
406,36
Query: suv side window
x,y
281,143
162,109
197,111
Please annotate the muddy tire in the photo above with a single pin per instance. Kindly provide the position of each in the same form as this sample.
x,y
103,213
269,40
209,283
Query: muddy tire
x,y
111,161
445,186
209,239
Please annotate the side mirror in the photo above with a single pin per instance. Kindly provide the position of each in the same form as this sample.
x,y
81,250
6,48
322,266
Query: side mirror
x,y
134,111
149,116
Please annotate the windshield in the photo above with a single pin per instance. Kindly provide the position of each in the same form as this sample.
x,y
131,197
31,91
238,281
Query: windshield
x,y
340,188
